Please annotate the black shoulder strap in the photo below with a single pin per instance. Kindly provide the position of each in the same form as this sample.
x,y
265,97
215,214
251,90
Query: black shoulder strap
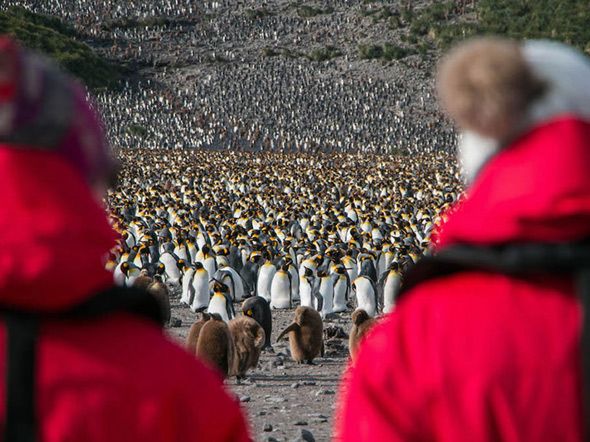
x,y
22,333
518,260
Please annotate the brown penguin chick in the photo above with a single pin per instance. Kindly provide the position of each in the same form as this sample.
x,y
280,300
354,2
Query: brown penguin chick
x,y
248,338
193,334
305,335
361,324
160,291
143,281
215,345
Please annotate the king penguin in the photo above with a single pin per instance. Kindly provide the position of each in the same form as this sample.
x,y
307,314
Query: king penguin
x,y
326,291
308,290
257,308
366,295
200,285
305,335
188,291
361,324
390,283
280,290
220,302
341,290
265,277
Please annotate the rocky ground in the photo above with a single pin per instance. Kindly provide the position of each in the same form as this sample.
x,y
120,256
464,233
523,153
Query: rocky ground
x,y
285,401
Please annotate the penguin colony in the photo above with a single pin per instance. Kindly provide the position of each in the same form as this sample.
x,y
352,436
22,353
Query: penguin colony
x,y
325,235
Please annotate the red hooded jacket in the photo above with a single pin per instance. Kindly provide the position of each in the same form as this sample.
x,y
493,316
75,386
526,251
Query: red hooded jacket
x,y
117,378
480,356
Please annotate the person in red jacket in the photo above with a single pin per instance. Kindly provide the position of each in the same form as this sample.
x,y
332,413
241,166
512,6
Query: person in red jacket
x,y
81,361
490,350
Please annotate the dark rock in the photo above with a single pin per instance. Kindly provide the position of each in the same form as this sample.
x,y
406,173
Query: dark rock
x,y
175,322
335,332
305,436
326,392
301,423
295,385
267,428
244,398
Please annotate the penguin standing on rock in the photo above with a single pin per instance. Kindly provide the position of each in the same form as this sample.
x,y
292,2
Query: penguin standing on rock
x,y
258,309
305,335
361,324
280,289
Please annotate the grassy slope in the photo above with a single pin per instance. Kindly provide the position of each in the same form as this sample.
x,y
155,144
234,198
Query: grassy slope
x,y
61,42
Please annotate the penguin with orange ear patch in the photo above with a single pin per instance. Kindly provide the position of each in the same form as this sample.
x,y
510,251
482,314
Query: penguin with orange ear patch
x,y
305,335
215,345
361,324
258,309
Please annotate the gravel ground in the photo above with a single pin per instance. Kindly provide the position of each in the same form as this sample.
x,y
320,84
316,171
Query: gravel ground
x,y
281,398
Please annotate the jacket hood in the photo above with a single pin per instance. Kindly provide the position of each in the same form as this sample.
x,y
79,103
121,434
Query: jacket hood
x,y
535,190
54,235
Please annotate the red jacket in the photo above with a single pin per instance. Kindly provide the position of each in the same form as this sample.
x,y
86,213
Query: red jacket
x,y
479,356
113,379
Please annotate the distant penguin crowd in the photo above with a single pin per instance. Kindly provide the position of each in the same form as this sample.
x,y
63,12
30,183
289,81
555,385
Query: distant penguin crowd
x,y
251,233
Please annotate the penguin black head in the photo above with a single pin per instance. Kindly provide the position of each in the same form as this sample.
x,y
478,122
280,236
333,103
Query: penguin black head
x,y
219,287
161,269
308,272
198,265
125,267
180,264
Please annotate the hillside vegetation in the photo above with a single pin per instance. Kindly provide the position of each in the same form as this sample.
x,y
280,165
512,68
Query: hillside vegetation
x,y
444,23
61,42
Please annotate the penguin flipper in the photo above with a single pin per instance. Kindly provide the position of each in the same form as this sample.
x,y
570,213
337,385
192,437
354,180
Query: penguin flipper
x,y
292,327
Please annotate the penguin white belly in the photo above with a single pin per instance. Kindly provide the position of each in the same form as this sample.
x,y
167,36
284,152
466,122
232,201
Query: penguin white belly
x,y
365,296
218,305
264,282
327,293
280,291
181,253
119,277
201,291
340,290
172,270
192,253
305,293
294,284
389,293
210,265
188,291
